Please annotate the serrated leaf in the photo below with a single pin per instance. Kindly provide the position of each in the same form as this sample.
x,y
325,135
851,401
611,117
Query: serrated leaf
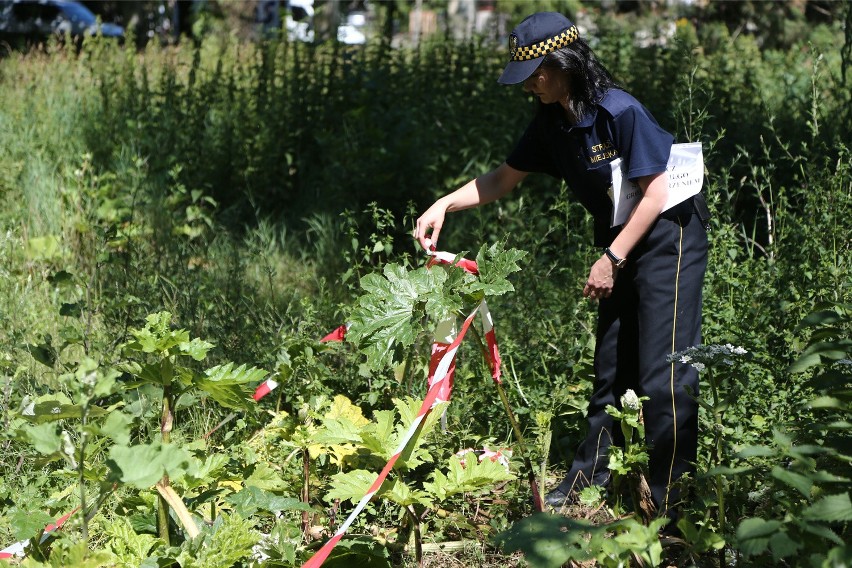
x,y
26,523
495,265
156,336
342,407
830,509
459,478
48,411
253,499
144,465
386,314
793,479
337,431
400,493
378,435
197,348
207,471
352,485
126,544
753,535
353,551
782,546
821,531
266,478
224,384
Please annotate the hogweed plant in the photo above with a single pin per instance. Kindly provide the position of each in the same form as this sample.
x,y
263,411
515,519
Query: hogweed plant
x,y
627,463
717,365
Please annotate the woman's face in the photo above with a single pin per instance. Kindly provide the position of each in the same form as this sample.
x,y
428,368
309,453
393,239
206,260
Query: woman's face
x,y
548,85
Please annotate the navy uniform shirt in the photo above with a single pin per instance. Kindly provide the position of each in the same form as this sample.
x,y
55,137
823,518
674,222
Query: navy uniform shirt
x,y
618,127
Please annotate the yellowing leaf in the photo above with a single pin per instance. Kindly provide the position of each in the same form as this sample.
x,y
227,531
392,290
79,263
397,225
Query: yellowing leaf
x,y
342,407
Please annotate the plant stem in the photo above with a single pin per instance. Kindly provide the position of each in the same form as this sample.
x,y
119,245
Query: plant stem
x,y
418,547
166,423
717,458
306,478
81,478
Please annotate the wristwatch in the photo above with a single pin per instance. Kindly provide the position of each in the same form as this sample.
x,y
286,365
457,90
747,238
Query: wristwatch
x,y
618,262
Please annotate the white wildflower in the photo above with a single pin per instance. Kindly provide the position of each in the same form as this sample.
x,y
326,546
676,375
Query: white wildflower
x,y
698,366
685,359
630,400
739,351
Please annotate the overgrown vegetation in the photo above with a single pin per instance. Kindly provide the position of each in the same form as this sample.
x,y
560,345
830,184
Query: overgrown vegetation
x,y
180,223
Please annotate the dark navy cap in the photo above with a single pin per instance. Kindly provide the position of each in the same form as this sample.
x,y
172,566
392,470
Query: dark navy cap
x,y
532,39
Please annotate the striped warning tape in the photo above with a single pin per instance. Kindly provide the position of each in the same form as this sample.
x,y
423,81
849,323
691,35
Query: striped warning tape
x,y
441,371
446,359
270,385
18,548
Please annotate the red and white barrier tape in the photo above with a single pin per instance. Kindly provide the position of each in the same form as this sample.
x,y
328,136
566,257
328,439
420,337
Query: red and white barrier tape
x,y
270,385
441,370
437,382
18,548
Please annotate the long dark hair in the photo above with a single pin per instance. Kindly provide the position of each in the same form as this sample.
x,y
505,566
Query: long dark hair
x,y
588,79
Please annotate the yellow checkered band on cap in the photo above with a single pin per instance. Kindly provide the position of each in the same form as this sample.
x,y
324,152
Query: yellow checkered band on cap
x,y
542,48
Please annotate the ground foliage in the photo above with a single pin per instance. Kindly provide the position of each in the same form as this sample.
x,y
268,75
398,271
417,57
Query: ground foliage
x,y
180,223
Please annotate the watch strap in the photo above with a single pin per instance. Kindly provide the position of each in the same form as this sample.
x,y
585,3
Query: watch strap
x,y
616,260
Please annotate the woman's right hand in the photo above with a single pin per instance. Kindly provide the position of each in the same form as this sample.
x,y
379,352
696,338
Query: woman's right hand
x,y
428,226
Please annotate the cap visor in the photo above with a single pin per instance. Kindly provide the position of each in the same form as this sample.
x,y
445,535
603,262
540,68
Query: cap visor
x,y
518,71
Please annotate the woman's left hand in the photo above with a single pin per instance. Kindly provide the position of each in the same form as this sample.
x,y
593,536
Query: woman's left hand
x,y
601,279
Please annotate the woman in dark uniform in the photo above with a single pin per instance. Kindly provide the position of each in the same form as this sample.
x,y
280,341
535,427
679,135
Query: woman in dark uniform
x,y
649,276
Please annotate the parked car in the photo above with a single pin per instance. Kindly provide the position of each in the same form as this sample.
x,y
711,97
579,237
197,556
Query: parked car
x,y
34,21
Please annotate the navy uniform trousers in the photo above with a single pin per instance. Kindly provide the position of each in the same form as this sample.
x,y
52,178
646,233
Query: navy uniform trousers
x,y
654,310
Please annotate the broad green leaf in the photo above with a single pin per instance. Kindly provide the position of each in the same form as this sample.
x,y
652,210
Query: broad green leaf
x,y
45,438
337,431
51,412
356,552
413,455
782,545
495,265
26,522
128,546
387,314
224,384
830,509
266,478
378,435
207,472
473,476
793,479
197,348
117,427
352,485
549,541
342,407
821,531
253,499
144,465
400,493
753,535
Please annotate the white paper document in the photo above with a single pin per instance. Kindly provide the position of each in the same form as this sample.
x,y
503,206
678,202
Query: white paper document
x,y
685,171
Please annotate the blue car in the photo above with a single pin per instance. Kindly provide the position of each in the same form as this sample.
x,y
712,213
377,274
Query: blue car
x,y
33,21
